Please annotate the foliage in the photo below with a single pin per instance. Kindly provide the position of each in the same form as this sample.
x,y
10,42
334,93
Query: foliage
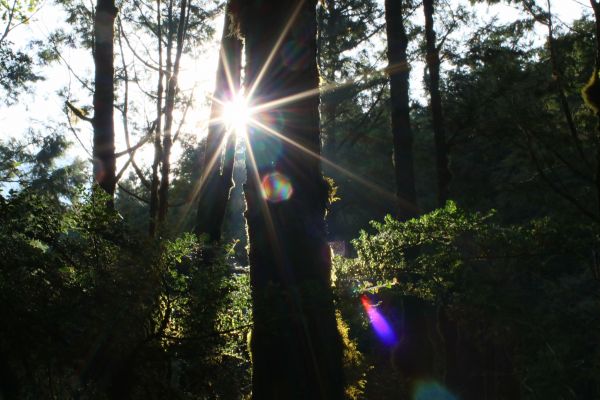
x,y
481,274
35,164
16,71
355,366
96,311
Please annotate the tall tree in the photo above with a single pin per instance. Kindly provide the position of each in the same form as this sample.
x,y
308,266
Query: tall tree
x,y
172,89
437,115
343,26
399,71
155,182
155,38
595,98
296,349
103,120
216,182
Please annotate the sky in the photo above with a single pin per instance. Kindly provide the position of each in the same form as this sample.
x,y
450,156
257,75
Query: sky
x,y
42,108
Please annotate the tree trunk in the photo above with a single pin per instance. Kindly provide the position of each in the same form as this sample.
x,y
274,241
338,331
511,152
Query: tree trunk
x,y
158,132
399,72
329,64
296,349
103,121
163,192
433,66
596,7
216,182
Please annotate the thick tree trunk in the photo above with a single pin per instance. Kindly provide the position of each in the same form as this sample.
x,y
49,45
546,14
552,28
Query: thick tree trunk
x,y
296,349
329,66
596,7
399,72
103,121
163,191
216,181
439,134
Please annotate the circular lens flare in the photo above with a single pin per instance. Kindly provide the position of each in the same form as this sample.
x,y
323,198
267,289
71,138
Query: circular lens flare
x,y
276,187
236,114
432,391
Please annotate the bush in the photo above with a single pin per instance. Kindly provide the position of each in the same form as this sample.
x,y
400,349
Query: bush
x,y
507,289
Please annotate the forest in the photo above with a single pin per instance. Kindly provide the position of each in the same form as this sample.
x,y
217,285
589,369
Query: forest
x,y
300,199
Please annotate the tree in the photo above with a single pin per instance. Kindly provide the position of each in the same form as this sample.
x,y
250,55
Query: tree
x,y
432,58
343,26
296,349
399,71
217,173
103,120
175,41
172,88
176,30
353,115
16,66
35,165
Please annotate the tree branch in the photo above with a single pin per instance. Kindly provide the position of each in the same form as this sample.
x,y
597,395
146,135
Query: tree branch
x,y
132,194
78,112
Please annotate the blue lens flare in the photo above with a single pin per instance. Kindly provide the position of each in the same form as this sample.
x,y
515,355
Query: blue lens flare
x,y
432,391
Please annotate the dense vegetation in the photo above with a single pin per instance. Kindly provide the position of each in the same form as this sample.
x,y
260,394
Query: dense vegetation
x,y
463,219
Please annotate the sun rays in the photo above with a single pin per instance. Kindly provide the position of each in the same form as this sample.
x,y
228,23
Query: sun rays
x,y
236,114
242,117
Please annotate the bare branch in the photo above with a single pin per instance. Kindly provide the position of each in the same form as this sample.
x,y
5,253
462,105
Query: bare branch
x,y
132,194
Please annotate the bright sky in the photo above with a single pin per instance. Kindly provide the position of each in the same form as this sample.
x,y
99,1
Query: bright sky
x,y
43,108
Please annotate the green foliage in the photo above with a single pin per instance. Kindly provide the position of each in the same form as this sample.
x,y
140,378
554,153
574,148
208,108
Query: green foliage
x,y
35,164
16,63
17,10
516,286
355,365
512,147
332,192
108,314
385,258
16,71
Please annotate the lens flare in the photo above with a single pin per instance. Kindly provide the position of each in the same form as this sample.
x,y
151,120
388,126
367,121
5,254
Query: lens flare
x,y
276,187
236,114
432,391
295,55
99,170
382,328
267,148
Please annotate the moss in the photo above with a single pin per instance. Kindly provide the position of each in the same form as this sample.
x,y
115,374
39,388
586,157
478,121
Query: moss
x,y
591,92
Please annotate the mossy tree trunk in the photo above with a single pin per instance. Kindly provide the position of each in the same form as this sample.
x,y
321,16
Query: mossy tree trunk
x,y
295,344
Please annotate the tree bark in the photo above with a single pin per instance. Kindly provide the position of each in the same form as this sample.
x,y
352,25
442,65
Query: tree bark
x,y
402,135
328,66
163,191
296,349
439,134
103,120
596,7
217,181
158,132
